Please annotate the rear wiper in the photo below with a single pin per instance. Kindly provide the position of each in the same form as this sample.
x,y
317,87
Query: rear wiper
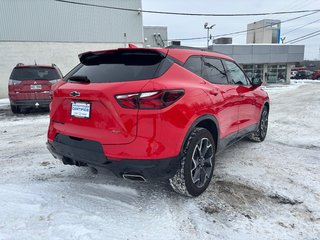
x,y
83,79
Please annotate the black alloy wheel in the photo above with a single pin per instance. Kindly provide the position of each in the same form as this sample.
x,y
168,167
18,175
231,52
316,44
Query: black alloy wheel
x,y
197,164
260,134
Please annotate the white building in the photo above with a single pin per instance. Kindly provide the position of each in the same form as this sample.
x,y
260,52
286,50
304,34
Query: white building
x,y
264,31
48,31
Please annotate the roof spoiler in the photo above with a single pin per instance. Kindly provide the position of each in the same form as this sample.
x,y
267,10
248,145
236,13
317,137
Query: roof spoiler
x,y
88,58
130,45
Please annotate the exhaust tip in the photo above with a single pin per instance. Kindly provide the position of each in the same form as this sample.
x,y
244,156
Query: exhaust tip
x,y
134,177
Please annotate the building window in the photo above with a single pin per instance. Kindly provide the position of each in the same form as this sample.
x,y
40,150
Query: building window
x,y
276,73
253,70
275,36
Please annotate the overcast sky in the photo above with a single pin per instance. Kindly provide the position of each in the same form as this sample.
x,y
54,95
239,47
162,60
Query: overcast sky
x,y
188,26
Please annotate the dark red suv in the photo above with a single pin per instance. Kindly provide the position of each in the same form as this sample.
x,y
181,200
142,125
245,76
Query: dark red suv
x,y
316,75
30,85
155,113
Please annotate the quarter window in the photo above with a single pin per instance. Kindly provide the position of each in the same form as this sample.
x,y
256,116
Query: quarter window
x,y
213,71
236,74
193,64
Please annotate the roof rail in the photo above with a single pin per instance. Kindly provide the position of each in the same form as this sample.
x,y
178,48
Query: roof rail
x,y
19,64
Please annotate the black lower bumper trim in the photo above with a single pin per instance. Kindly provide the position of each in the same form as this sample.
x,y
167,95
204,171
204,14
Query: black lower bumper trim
x,y
81,152
31,103
149,169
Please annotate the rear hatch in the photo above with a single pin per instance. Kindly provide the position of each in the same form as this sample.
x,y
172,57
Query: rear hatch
x,y
85,106
32,82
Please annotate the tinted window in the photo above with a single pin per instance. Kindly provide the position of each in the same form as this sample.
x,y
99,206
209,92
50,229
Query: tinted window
x,y
236,74
213,71
122,66
193,64
34,73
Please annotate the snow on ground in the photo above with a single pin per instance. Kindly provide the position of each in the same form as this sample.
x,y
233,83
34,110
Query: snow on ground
x,y
266,190
4,102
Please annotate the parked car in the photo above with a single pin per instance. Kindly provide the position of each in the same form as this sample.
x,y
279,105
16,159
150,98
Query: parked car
x,y
293,74
316,75
303,74
29,86
155,113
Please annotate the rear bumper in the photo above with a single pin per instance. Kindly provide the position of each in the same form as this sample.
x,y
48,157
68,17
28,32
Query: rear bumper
x,y
31,103
81,152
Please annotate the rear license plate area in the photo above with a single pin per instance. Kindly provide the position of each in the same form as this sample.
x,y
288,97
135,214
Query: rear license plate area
x,y
80,109
35,87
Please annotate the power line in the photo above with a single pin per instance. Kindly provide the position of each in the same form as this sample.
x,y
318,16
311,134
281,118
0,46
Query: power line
x,y
189,14
307,24
296,5
245,31
269,25
304,37
186,39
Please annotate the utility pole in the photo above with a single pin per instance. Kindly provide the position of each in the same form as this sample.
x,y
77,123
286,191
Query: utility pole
x,y
209,36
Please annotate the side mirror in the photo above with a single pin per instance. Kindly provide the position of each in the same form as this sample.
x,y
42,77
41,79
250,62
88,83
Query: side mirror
x,y
256,82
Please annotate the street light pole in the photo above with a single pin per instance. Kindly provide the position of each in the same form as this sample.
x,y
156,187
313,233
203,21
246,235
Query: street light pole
x,y
208,32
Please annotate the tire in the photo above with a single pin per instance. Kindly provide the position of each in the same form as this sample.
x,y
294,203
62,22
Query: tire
x,y
15,109
260,134
197,165
93,170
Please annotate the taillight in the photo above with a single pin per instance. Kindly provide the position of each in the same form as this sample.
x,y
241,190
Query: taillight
x,y
149,100
128,100
14,82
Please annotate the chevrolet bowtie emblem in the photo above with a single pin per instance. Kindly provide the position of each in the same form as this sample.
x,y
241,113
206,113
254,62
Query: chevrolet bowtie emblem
x,y
75,94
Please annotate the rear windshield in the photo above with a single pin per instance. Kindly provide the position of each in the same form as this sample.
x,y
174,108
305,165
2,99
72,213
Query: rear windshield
x,y
34,73
121,67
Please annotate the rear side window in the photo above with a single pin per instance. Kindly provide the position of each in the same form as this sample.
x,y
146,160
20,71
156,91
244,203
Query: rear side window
x,y
122,66
213,71
34,73
193,64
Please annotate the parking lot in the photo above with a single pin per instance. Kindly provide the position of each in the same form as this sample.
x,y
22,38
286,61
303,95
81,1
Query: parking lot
x,y
267,190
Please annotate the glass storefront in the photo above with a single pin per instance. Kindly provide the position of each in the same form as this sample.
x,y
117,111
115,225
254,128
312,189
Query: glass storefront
x,y
275,73
254,70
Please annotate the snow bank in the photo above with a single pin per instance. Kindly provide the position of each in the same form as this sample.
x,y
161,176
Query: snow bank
x,y
4,102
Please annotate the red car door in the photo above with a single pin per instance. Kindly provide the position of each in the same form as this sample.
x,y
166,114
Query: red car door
x,y
247,100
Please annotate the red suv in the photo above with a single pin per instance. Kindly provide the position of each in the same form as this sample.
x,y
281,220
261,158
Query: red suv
x,y
316,75
30,85
155,113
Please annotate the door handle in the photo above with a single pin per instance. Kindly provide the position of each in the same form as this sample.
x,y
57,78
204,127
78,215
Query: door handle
x,y
214,92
